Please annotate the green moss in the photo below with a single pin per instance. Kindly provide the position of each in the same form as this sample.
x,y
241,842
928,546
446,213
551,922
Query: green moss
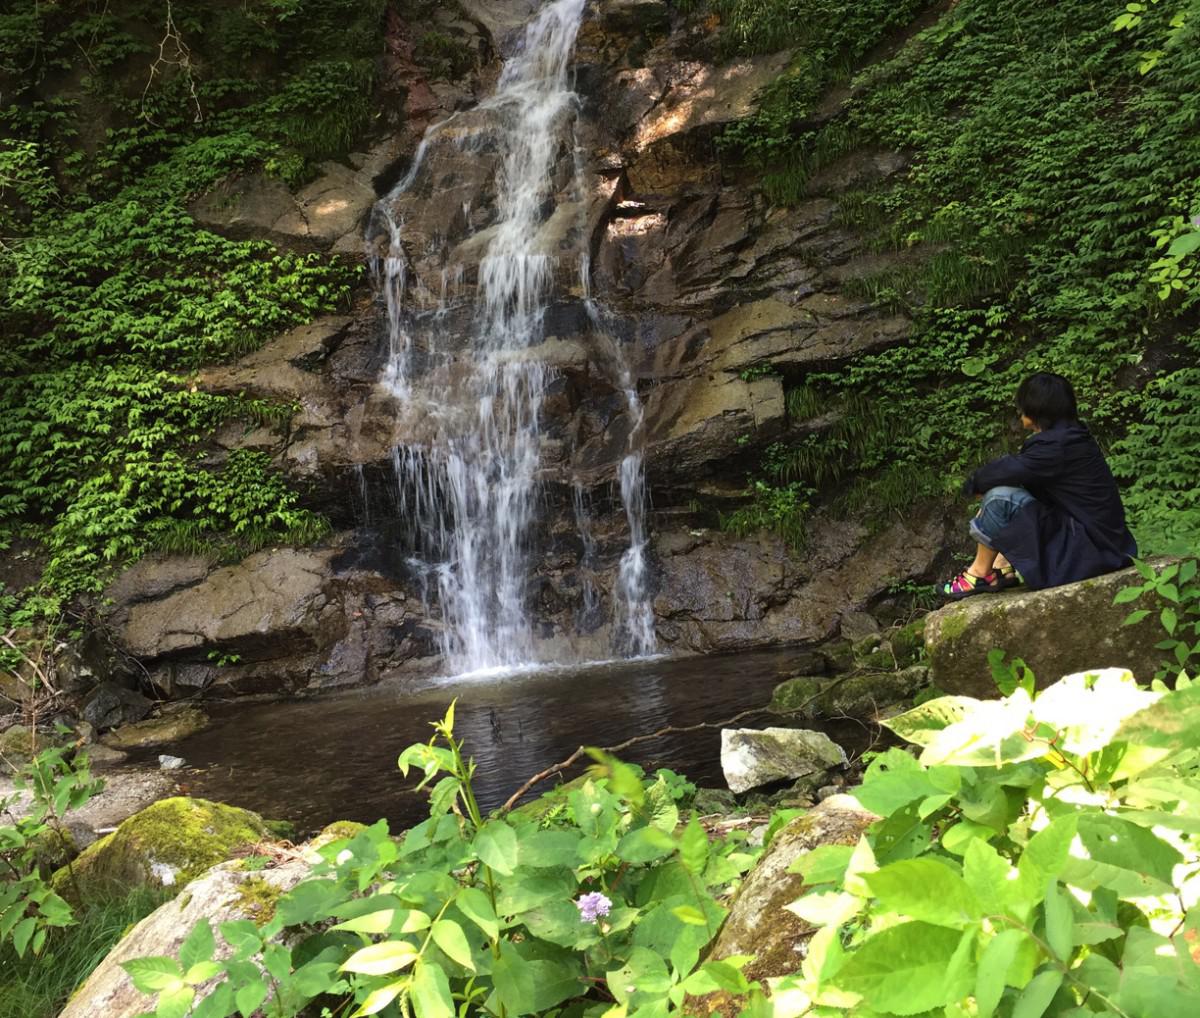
x,y
953,626
795,694
167,844
284,830
339,830
908,643
257,897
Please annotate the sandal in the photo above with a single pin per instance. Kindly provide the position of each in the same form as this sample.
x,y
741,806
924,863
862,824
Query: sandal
x,y
1006,577
966,583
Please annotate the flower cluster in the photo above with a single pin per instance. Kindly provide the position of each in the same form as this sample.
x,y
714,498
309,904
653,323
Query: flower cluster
x,y
592,906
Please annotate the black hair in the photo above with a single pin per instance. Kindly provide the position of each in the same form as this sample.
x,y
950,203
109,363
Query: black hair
x,y
1047,399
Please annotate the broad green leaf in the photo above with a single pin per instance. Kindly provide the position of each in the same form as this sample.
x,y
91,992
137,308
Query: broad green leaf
x,y
1036,997
378,999
153,975
645,844
693,846
496,846
386,920
1113,853
994,963
175,1003
218,1004
643,975
893,780
825,864
449,936
249,995
514,980
380,959
198,946
1059,921
309,902
927,890
477,907
991,733
202,972
827,908
862,862
526,891
541,849
1087,708
1047,852
924,721
22,933
908,969
1172,723
430,992
689,914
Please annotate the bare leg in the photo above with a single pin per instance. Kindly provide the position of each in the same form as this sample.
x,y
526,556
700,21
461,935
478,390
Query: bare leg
x,y
1002,562
985,558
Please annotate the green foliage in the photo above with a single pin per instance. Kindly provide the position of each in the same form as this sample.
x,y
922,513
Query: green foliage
x,y
111,297
29,908
1032,860
1174,593
780,509
612,897
39,986
1047,223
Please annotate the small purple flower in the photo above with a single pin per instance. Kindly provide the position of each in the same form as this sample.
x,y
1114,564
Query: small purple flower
x,y
592,906
1196,221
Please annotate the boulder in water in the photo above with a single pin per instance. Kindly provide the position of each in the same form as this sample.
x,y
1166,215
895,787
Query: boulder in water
x,y
858,695
1057,632
751,757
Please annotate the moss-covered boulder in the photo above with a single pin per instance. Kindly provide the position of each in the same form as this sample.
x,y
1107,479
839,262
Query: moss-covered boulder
x,y
167,844
858,695
1058,631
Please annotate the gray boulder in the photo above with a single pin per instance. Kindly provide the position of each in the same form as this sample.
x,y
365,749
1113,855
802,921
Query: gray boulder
x,y
1057,632
111,705
752,757
224,893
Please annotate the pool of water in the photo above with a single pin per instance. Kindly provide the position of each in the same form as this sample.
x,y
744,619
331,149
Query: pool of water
x,y
334,758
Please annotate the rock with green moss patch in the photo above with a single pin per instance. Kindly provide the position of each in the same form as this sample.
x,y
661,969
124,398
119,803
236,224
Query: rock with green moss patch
x,y
222,894
858,695
1058,631
167,844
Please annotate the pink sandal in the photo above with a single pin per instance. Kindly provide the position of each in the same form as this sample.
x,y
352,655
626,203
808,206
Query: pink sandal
x,y
966,584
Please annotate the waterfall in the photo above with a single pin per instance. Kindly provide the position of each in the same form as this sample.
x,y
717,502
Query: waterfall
x,y
468,496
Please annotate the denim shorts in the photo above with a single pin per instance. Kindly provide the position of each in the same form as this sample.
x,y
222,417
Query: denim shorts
x,y
999,506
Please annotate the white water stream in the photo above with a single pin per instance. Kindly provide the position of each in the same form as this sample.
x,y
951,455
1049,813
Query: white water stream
x,y
469,497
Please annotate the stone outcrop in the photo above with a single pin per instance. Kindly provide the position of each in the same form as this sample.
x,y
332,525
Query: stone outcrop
x,y
1057,632
856,695
167,844
704,297
751,757
225,893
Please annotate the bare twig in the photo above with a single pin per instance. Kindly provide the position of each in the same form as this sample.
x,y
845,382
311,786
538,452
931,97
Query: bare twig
x,y
574,758
173,52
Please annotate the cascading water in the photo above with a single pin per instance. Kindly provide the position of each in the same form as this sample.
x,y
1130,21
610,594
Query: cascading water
x,y
468,496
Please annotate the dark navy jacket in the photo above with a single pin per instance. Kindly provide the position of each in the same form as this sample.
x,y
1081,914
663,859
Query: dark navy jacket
x,y
1076,528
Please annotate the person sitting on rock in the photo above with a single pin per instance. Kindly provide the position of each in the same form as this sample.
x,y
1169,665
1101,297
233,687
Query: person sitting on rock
x,y
1052,513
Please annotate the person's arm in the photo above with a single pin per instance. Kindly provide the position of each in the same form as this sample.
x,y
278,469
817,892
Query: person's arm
x,y
1036,464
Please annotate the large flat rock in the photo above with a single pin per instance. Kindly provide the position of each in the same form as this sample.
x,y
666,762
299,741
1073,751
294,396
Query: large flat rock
x,y
1057,631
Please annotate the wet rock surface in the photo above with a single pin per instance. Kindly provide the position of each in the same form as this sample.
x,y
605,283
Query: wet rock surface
x,y
1057,632
705,299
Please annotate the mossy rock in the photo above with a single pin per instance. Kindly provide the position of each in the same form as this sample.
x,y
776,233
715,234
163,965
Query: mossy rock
x,y
339,830
167,844
157,731
859,695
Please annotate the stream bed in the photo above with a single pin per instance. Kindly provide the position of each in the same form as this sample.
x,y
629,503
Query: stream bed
x,y
334,758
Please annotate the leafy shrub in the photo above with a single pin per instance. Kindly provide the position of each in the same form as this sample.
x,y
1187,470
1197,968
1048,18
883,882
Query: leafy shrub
x,y
1033,861
606,898
29,908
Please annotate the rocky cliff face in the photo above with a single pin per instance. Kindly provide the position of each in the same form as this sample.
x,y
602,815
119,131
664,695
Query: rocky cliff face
x,y
707,296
